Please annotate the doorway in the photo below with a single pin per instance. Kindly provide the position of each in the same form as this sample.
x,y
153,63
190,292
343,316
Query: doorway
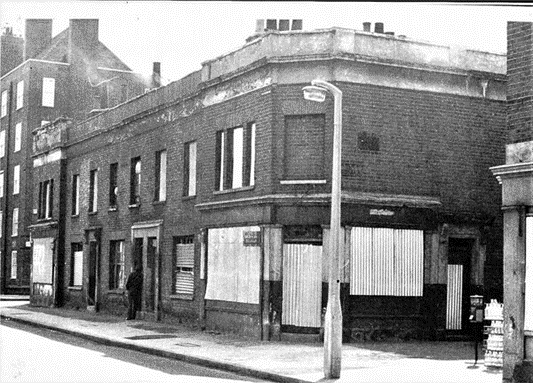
x,y
459,286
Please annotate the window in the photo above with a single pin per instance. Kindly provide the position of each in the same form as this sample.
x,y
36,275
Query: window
x,y
113,185
1,222
93,191
135,181
387,262
49,88
184,265
20,94
75,194
2,143
14,264
15,229
304,147
1,184
46,197
4,103
76,273
18,136
235,157
16,179
160,190
116,265
368,141
189,169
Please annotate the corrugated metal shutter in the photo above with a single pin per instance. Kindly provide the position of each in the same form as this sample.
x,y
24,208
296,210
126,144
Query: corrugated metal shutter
x,y
454,297
528,319
302,285
184,260
387,262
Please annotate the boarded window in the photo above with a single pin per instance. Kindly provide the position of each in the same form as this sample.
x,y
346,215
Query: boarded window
x,y
386,262
528,320
49,89
14,264
233,267
76,264
18,137
42,260
184,265
16,179
2,143
304,147
15,223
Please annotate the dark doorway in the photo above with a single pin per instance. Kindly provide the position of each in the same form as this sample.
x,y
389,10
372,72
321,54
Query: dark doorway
x,y
460,253
92,272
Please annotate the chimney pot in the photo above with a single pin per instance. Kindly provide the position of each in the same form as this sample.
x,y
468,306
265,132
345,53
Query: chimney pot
x,y
378,27
297,24
366,26
272,24
38,36
284,25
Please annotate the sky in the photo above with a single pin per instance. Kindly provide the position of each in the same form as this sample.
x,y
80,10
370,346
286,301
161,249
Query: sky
x,y
183,34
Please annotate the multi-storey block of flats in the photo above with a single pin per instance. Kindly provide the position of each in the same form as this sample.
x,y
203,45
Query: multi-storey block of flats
x,y
516,177
43,78
219,185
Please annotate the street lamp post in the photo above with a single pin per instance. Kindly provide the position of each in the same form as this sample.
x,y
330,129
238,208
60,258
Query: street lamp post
x,y
333,320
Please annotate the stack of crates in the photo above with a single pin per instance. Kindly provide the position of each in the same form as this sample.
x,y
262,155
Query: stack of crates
x,y
494,332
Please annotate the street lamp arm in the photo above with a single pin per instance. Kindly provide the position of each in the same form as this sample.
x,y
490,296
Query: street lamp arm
x,y
324,84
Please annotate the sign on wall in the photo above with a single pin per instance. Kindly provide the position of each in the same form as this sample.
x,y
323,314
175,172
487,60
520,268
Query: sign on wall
x,y
251,238
43,258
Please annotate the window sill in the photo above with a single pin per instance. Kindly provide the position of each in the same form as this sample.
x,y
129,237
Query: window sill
x,y
75,288
44,220
184,297
119,291
228,191
302,182
188,197
75,216
159,202
134,206
112,208
92,212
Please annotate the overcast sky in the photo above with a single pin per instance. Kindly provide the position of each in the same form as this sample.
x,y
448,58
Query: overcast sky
x,y
182,34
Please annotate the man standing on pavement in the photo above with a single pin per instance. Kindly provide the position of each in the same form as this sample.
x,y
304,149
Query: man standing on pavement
x,y
134,285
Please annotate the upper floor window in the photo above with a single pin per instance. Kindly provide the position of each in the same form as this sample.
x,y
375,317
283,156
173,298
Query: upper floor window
x,y
235,157
304,147
93,191
18,136
1,223
189,169
116,265
20,94
15,223
13,264
16,179
1,184
75,194
113,185
135,181
49,89
4,103
160,187
2,143
46,193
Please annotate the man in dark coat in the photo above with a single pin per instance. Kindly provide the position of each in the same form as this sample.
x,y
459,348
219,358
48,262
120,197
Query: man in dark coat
x,y
134,285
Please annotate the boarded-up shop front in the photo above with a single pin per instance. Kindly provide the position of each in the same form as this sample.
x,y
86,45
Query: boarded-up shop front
x,y
42,283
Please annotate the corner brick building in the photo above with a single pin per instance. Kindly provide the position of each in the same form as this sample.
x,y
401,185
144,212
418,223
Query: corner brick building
x,y
44,78
516,178
219,184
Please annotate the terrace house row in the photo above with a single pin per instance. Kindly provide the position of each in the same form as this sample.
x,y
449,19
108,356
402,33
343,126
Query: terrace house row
x,y
219,184
44,78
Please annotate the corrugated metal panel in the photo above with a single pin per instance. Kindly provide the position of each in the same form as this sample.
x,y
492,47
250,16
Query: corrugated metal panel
x,y
528,319
454,297
302,285
184,283
387,262
185,255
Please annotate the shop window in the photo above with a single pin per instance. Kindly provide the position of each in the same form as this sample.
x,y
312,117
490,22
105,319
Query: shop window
x,y
235,157
160,189
15,222
4,103
116,265
76,274
46,197
304,147
93,191
75,194
189,169
16,179
49,88
20,95
135,181
113,185
184,265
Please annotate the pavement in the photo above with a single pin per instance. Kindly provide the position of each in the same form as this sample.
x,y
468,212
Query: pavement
x,y
279,361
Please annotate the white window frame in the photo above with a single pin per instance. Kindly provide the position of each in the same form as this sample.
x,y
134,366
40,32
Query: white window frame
x,y
18,137
13,264
49,88
20,94
2,143
16,179
76,194
1,183
77,267
15,228
1,222
4,103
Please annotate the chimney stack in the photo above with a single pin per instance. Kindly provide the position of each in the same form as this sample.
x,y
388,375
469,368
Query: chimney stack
x,y
272,24
366,26
297,25
83,35
156,75
378,28
284,25
38,36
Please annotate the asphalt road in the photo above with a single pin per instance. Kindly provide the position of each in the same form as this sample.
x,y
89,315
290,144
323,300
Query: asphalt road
x,y
31,354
